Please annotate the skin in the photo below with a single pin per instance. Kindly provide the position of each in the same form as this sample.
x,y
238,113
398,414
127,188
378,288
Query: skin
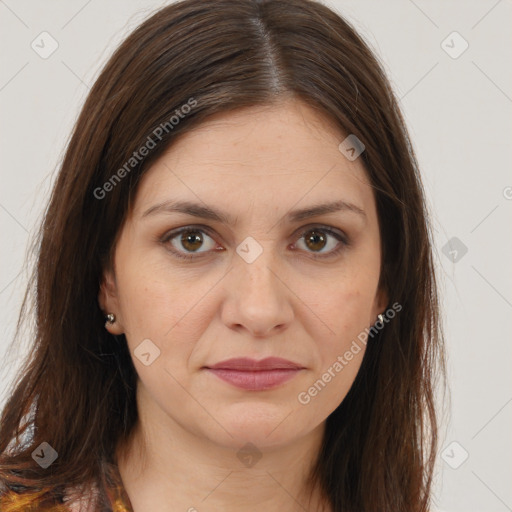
x,y
255,164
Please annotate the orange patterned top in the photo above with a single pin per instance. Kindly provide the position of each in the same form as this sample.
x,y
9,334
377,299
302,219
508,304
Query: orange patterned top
x,y
109,497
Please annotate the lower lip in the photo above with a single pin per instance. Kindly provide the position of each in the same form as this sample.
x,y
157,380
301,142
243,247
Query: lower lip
x,y
255,380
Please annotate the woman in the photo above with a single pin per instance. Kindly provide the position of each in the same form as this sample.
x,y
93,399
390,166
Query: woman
x,y
236,299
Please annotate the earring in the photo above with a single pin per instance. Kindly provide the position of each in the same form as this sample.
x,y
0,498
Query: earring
x,y
110,318
381,318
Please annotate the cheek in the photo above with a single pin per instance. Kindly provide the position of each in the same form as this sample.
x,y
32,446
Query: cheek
x,y
344,304
169,307
152,295
340,351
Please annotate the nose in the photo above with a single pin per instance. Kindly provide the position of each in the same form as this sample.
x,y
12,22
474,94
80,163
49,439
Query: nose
x,y
258,300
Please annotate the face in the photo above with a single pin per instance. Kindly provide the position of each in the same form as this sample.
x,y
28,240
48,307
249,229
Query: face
x,y
261,277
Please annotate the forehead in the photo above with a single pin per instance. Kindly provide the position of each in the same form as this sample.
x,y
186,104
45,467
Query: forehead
x,y
267,157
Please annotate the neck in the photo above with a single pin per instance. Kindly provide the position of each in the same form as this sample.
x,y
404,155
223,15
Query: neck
x,y
165,467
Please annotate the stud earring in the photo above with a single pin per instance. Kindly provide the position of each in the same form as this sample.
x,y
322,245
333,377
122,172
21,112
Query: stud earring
x,y
381,318
110,318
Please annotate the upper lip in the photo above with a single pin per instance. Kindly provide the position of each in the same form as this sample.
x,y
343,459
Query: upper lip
x,y
247,364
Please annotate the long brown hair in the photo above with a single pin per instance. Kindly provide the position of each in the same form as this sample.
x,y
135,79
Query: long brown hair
x,y
76,390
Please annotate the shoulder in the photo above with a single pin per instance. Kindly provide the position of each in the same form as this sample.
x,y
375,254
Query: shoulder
x,y
111,498
23,500
77,500
108,495
17,501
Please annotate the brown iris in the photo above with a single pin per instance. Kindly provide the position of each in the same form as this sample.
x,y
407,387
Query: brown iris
x,y
314,239
191,240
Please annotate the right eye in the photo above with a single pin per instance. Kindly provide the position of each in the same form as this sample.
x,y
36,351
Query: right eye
x,y
187,241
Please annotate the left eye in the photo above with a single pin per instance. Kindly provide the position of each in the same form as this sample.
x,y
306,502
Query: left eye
x,y
317,239
314,240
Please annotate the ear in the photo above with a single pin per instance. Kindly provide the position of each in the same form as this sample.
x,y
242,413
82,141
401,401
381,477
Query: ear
x,y
380,304
109,302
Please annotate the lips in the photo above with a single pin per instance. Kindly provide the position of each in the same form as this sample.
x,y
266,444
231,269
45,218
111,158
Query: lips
x,y
247,364
253,375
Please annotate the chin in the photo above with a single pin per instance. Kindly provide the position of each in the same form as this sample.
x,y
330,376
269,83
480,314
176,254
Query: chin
x,y
260,424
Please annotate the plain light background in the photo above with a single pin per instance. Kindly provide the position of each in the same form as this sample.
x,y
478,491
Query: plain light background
x,y
458,109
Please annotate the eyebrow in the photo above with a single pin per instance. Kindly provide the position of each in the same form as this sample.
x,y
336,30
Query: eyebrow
x,y
205,212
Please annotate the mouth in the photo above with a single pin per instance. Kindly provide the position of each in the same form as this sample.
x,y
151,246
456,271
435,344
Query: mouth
x,y
258,380
253,375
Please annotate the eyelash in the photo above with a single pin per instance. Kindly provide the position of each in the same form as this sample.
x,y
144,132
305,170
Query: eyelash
x,y
318,227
